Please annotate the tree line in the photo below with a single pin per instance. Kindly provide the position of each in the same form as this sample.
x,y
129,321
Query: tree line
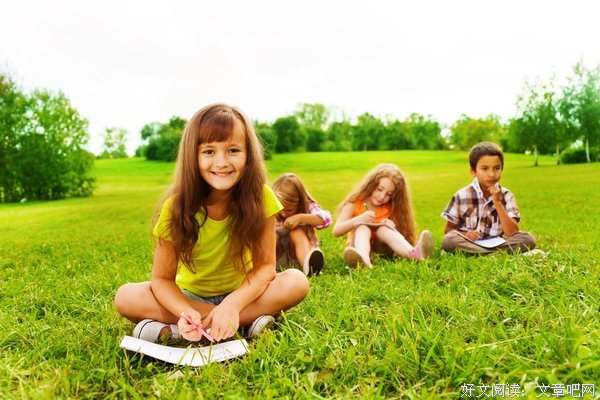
x,y
562,121
43,137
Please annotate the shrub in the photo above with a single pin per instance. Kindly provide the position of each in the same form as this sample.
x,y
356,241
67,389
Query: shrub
x,y
576,155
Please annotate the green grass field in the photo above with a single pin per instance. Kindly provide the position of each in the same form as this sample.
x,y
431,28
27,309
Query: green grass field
x,y
402,329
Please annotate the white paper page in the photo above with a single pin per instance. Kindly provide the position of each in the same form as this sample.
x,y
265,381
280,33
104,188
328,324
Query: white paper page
x,y
192,356
490,242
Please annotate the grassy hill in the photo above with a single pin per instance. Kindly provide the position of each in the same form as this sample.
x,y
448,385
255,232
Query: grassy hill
x,y
400,329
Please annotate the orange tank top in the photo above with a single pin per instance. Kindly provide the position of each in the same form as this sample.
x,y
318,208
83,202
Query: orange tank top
x,y
381,213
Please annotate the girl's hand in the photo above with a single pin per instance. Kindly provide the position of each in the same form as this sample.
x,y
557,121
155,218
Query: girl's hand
x,y
189,331
293,221
224,322
365,218
472,235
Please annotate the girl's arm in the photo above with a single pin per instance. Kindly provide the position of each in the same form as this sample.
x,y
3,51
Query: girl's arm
x,y
306,219
345,223
166,291
225,318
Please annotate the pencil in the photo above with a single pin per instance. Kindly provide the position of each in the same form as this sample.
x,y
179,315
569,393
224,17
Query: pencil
x,y
198,327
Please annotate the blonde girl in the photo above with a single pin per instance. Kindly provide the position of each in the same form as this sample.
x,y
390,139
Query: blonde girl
x,y
214,260
296,223
377,216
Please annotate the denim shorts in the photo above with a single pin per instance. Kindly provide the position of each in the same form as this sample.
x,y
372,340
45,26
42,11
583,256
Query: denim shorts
x,y
215,300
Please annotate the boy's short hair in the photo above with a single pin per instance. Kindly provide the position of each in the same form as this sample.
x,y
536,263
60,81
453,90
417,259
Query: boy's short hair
x,y
484,149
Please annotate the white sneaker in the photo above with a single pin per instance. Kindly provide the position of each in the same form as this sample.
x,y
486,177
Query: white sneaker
x,y
149,330
260,324
354,259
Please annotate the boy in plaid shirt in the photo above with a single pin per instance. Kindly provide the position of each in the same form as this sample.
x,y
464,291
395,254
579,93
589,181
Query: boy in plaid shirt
x,y
484,209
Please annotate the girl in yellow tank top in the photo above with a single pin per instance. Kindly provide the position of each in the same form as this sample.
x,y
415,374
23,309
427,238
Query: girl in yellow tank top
x,y
214,260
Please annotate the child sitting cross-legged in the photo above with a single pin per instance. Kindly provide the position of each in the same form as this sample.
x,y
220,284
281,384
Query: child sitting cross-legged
x,y
214,260
484,209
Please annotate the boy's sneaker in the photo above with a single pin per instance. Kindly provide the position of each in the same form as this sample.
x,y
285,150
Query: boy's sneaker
x,y
260,324
314,262
423,248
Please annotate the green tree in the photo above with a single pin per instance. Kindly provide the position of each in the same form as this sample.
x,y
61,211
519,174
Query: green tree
x,y
426,131
538,126
289,136
580,106
366,133
398,136
267,136
12,119
313,116
339,137
42,155
163,139
114,143
315,138
468,131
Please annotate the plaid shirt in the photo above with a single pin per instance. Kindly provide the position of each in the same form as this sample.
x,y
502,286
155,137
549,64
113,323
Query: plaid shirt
x,y
469,210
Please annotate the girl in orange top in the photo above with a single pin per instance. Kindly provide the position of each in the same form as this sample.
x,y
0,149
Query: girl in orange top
x,y
377,216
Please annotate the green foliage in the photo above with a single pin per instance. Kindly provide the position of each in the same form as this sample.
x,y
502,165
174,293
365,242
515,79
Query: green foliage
x,y
426,131
399,136
339,137
114,143
367,132
313,116
268,138
162,139
315,139
580,106
42,155
467,131
400,330
289,136
576,155
539,126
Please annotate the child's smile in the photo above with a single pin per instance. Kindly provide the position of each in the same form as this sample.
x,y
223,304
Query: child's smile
x,y
222,164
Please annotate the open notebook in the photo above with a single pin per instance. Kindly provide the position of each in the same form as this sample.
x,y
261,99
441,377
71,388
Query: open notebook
x,y
192,356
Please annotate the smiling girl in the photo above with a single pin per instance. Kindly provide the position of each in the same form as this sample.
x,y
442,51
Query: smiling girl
x,y
214,260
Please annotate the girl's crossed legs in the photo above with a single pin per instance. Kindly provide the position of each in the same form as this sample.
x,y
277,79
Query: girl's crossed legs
x,y
136,301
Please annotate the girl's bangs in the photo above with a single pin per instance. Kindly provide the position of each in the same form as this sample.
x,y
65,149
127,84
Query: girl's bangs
x,y
219,128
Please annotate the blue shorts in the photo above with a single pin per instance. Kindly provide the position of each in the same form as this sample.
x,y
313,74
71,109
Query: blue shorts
x,y
215,300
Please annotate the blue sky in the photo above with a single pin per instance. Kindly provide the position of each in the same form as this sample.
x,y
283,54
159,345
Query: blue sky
x,y
128,63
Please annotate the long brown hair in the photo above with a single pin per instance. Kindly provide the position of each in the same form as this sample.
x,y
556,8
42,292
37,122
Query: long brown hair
x,y
215,123
290,189
402,213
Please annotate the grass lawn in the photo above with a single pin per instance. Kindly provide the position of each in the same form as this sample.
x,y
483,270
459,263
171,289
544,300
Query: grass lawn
x,y
402,329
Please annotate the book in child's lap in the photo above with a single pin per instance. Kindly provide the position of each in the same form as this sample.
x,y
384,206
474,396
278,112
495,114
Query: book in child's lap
x,y
488,243
192,356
